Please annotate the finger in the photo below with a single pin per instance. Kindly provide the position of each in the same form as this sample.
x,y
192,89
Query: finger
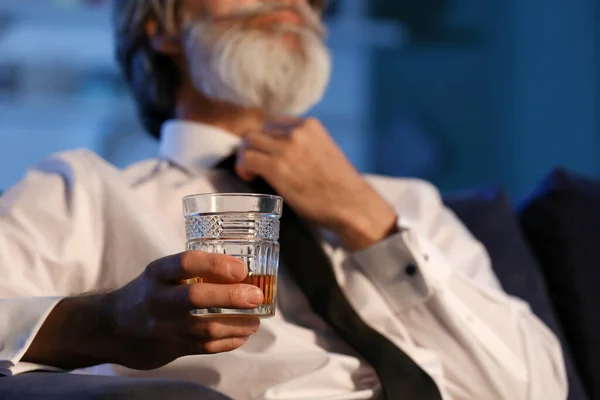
x,y
244,174
252,162
219,268
221,328
212,295
284,123
219,346
265,143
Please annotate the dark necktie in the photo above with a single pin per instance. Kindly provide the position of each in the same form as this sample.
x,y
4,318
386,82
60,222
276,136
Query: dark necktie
x,y
304,258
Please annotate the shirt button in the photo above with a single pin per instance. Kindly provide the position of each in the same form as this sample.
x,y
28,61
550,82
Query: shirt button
x,y
410,270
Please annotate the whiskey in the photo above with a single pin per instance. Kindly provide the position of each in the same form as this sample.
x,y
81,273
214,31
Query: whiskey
x,y
266,283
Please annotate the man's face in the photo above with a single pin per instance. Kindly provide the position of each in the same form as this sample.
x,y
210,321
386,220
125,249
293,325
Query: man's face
x,y
257,14
257,54
222,9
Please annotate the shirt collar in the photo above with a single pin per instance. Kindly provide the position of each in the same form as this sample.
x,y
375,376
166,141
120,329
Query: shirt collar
x,y
195,146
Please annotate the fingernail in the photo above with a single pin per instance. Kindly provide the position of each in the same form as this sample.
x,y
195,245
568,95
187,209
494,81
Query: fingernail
x,y
237,270
253,296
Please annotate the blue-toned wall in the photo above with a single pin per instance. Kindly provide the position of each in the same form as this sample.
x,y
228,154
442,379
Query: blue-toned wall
x,y
554,91
507,102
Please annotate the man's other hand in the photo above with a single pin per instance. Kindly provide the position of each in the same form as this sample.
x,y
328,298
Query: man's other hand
x,y
300,160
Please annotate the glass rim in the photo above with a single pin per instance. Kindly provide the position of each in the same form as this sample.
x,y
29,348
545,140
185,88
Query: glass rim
x,y
218,203
255,195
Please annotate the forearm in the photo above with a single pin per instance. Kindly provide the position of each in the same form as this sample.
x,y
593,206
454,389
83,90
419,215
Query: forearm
x,y
77,333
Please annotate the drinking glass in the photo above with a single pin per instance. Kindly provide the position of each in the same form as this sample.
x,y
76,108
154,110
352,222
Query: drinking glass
x,y
245,226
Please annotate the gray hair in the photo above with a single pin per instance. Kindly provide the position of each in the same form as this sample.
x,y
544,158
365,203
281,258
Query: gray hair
x,y
153,78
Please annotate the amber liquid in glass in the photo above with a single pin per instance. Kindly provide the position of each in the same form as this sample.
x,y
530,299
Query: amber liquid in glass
x,y
266,283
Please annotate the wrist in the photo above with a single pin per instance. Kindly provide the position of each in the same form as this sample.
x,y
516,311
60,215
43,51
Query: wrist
x,y
75,334
362,230
92,335
116,338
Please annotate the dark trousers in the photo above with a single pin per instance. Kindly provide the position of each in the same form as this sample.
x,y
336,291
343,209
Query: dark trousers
x,y
58,386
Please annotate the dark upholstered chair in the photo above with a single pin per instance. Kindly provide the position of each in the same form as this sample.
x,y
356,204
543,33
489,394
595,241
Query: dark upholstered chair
x,y
490,217
57,386
561,221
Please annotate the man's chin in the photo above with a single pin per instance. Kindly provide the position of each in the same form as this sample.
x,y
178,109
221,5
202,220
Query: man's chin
x,y
291,40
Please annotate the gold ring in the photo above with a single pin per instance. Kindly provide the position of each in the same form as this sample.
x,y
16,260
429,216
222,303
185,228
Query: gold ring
x,y
191,281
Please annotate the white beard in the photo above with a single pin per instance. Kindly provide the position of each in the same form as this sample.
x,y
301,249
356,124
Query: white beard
x,y
255,69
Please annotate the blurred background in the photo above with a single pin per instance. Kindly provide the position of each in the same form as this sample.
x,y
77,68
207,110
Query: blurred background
x,y
463,93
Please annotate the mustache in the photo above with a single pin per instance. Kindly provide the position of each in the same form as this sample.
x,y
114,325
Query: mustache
x,y
308,16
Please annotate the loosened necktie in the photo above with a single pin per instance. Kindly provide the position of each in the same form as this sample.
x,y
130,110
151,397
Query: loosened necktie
x,y
304,258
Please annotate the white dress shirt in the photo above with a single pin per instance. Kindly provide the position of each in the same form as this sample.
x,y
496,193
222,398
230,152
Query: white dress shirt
x,y
76,224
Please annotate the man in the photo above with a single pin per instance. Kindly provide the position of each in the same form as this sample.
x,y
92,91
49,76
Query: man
x,y
88,279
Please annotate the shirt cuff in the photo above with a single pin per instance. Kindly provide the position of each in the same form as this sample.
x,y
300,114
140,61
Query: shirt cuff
x,y
20,321
401,268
